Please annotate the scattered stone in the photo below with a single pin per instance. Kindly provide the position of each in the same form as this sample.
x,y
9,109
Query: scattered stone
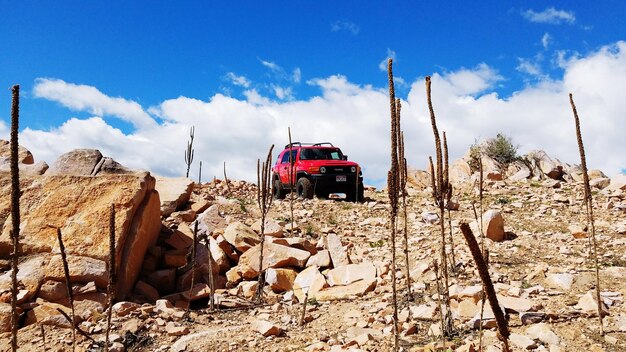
x,y
523,342
241,236
274,256
493,225
563,281
280,280
272,228
577,231
308,280
174,329
174,193
321,259
266,328
338,254
589,305
543,332
346,274
430,217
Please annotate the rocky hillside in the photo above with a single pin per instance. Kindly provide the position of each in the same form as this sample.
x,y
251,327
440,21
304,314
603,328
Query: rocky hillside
x,y
336,258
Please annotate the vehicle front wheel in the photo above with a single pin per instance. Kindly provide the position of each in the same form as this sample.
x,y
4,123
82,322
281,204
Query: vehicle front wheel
x,y
277,190
356,195
304,188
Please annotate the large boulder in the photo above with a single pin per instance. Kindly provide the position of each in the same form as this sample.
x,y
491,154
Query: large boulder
x,y
493,225
174,193
78,162
80,207
24,156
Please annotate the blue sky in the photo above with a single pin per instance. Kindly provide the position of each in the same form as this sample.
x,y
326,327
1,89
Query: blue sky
x,y
282,55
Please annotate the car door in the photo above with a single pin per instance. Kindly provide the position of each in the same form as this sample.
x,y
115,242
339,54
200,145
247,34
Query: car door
x,y
284,166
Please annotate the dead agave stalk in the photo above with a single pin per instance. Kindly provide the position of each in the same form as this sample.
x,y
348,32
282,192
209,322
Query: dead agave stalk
x,y
589,207
446,177
193,266
200,173
112,276
440,191
43,336
439,301
211,283
264,200
503,329
15,210
306,299
403,179
68,284
226,179
393,186
189,151
291,195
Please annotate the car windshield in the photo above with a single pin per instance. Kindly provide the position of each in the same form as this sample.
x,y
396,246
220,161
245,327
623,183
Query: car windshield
x,y
320,154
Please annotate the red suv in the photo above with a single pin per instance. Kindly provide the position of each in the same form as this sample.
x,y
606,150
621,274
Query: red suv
x,y
318,169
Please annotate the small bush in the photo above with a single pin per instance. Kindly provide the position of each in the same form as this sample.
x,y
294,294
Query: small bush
x,y
501,149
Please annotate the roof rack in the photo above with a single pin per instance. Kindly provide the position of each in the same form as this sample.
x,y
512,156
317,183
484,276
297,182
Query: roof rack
x,y
300,144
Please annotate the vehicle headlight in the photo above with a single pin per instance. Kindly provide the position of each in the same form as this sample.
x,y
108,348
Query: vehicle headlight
x,y
353,169
322,169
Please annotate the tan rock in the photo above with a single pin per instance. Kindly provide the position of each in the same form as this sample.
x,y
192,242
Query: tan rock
x,y
80,207
347,274
30,273
174,329
174,193
233,277
274,256
163,280
355,289
518,304
266,328
308,280
493,225
423,311
241,236
46,313
320,259
219,256
82,270
280,280
175,258
144,289
200,205
201,290
5,315
467,309
577,231
210,220
78,162
125,308
522,341
589,305
24,156
181,238
52,291
617,183
562,281
248,288
338,254
272,228
229,250
544,333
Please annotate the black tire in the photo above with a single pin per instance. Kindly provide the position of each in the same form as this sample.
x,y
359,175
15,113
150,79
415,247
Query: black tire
x,y
304,188
277,190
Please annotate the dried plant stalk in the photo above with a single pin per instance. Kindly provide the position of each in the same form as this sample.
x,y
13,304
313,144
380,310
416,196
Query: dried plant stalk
x,y
392,190
503,329
43,337
306,299
189,151
440,190
68,284
211,283
200,173
290,181
112,276
439,302
15,210
403,180
264,200
446,180
589,208
193,266
226,179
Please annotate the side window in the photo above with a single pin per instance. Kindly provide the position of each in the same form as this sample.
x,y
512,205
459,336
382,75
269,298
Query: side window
x,y
285,158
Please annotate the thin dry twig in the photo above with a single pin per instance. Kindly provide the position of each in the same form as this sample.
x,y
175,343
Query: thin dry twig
x,y
192,260
112,276
589,208
68,284
226,179
264,200
291,193
15,210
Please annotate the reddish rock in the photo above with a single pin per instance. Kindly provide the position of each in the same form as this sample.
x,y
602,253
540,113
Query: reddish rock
x,y
274,256
174,193
144,289
280,280
241,236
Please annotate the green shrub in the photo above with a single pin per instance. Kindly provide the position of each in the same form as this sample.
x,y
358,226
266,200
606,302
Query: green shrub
x,y
501,149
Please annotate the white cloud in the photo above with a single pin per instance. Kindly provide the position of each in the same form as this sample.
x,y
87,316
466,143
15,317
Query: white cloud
x,y
550,15
4,131
391,54
282,93
546,40
237,80
356,117
272,66
345,26
90,99
529,67
297,75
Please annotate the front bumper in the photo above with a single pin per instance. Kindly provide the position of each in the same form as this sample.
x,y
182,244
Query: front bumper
x,y
329,182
